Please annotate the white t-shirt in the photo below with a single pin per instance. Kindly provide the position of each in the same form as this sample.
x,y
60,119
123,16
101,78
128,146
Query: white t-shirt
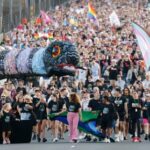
x,y
82,75
146,84
84,104
95,71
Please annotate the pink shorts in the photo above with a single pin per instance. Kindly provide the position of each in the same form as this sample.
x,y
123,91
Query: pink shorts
x,y
145,121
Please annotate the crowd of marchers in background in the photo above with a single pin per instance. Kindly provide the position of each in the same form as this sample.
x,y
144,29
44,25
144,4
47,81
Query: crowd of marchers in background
x,y
113,82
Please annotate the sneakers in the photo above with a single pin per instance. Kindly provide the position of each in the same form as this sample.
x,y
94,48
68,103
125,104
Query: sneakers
x,y
44,140
8,141
4,142
55,140
34,137
82,136
117,138
38,138
106,140
75,141
88,138
95,140
121,137
146,137
136,139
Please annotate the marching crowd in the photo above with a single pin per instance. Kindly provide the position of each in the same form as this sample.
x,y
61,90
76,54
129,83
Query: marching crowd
x,y
113,82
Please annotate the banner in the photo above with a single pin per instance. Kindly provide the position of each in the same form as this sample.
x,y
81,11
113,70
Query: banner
x,y
114,19
87,124
143,42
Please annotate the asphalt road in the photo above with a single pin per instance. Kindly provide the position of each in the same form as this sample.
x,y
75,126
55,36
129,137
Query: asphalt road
x,y
78,146
65,145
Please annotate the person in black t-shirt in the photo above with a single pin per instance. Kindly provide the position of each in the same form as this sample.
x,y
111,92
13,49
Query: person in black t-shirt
x,y
55,106
6,119
146,116
135,113
73,108
107,117
64,101
95,103
40,108
113,71
25,108
121,108
128,98
126,66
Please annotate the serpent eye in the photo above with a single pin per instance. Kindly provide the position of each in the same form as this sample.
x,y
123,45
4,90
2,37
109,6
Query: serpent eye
x,y
56,51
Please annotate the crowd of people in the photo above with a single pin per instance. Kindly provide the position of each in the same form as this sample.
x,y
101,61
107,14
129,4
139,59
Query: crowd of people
x,y
113,82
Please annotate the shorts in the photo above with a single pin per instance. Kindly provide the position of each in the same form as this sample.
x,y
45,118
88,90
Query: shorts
x,y
121,117
6,127
145,121
106,123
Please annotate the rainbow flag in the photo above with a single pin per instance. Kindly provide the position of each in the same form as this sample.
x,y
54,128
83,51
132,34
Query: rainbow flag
x,y
50,36
87,124
36,36
143,42
91,12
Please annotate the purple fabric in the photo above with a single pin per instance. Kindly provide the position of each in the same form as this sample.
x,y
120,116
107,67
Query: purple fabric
x,y
23,61
10,62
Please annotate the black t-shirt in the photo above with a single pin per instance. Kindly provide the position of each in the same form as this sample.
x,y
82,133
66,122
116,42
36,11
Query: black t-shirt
x,y
145,106
40,110
24,108
126,66
95,105
128,99
35,101
135,110
6,117
64,100
108,111
113,72
73,107
119,103
54,106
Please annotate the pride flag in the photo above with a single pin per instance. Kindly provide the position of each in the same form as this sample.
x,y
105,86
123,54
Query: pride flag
x,y
91,12
45,17
143,42
87,124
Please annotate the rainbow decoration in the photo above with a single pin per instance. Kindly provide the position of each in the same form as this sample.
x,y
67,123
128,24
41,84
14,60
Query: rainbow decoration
x,y
50,36
36,36
143,42
91,12
87,124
